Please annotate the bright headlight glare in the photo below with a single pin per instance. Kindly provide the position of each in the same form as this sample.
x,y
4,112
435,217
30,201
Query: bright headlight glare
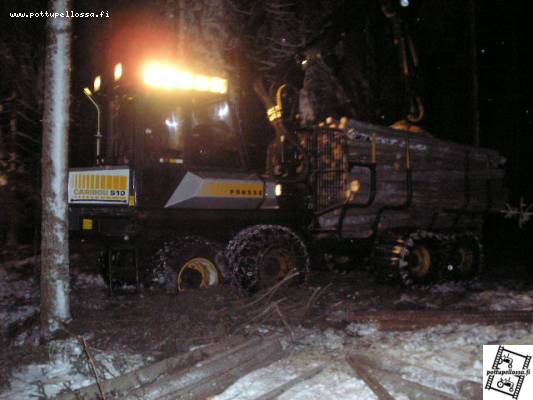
x,y
169,77
97,83
117,73
355,185
278,190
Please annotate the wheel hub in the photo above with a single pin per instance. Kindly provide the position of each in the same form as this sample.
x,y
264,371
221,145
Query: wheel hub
x,y
420,262
197,273
277,263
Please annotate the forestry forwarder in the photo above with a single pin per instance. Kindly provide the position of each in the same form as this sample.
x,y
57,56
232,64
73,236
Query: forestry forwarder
x,y
172,198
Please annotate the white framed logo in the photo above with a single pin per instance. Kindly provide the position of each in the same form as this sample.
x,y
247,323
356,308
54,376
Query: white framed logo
x,y
507,373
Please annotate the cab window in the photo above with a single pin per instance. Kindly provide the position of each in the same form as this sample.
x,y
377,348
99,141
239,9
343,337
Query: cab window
x,y
213,142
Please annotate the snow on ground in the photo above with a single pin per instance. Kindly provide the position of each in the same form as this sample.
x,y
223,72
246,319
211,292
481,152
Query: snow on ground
x,y
19,301
12,287
68,368
442,357
472,295
447,357
499,300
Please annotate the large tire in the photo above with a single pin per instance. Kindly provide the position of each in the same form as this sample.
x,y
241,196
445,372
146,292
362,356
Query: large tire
x,y
466,260
187,263
261,255
413,259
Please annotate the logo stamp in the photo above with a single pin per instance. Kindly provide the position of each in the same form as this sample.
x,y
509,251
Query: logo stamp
x,y
507,373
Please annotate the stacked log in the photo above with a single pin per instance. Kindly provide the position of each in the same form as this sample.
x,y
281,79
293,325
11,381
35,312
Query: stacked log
x,y
452,184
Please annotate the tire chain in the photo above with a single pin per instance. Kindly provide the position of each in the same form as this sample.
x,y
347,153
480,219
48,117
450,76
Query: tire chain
x,y
393,249
162,274
251,241
479,244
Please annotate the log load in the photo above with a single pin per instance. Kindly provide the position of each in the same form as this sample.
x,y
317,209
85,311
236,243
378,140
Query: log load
x,y
420,181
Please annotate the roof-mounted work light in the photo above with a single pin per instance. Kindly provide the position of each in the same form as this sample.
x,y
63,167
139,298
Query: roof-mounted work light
x,y
117,72
97,83
169,77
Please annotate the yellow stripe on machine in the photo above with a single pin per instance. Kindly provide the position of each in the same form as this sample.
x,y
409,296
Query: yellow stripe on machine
x,y
232,189
100,182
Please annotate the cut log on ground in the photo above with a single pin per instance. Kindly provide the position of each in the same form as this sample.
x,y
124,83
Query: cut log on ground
x,y
402,320
275,393
413,390
215,374
142,376
363,373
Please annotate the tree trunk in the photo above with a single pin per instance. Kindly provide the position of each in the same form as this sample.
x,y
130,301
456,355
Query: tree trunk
x,y
55,305
12,216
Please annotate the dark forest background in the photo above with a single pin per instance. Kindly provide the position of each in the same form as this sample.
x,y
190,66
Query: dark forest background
x,y
358,74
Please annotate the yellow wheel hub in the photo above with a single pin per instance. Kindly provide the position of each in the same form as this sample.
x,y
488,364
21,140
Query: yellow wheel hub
x,y
197,273
421,262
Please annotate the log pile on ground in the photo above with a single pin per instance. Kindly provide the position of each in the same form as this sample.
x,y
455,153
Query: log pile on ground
x,y
405,320
447,177
198,374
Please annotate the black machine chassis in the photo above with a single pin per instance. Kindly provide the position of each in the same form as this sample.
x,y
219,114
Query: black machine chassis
x,y
122,226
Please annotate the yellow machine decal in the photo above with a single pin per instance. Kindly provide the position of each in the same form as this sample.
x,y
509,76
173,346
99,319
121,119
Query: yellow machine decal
x,y
87,224
94,182
232,189
99,187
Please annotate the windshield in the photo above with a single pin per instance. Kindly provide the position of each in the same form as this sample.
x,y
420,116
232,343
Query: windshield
x,y
205,132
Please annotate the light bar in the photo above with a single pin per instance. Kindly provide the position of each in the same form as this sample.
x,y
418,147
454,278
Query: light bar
x,y
170,77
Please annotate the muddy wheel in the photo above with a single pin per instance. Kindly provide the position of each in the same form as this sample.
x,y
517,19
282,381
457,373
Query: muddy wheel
x,y
420,258
466,258
187,263
261,255
413,259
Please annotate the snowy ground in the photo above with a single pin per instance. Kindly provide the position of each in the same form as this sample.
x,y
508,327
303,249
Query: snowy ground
x,y
125,332
67,369
447,358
